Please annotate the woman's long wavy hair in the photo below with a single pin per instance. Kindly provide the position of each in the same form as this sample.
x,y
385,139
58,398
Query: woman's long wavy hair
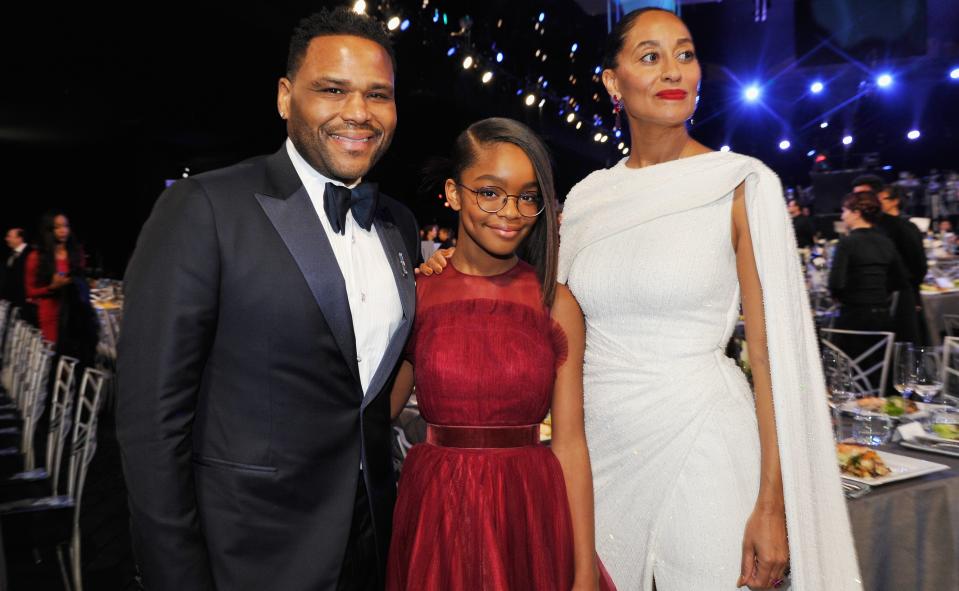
x,y
47,248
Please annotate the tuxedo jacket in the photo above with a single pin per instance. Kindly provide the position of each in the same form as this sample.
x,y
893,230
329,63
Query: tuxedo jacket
x,y
12,279
240,415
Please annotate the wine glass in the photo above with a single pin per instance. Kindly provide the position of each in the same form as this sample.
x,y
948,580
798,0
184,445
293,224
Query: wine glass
x,y
839,386
904,368
927,381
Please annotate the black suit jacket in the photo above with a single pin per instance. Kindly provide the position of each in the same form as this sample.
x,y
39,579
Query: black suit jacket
x,y
14,288
240,414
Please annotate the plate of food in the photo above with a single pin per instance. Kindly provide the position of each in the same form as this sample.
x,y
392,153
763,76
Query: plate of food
x,y
872,467
896,407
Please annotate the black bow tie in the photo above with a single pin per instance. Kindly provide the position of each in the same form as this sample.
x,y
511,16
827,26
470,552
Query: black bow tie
x,y
339,200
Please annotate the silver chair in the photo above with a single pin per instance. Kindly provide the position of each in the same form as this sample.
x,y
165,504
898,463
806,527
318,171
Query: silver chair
x,y
951,323
867,381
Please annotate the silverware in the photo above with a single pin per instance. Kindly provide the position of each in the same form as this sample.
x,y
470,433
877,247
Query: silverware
x,y
854,490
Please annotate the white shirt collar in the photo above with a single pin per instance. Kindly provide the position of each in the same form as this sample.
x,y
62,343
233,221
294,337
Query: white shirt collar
x,y
307,173
19,249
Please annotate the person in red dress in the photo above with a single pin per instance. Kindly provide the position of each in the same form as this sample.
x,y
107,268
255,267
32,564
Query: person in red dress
x,y
496,344
49,268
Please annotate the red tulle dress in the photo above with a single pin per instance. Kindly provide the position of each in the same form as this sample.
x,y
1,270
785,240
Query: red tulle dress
x,y
484,352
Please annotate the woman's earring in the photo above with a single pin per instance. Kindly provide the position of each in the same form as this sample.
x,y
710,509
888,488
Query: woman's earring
x,y
617,109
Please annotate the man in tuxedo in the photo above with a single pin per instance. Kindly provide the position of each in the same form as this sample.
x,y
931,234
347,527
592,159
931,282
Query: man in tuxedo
x,y
13,289
267,305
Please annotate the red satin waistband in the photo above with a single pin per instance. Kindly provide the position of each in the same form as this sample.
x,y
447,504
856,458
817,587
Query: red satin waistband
x,y
482,437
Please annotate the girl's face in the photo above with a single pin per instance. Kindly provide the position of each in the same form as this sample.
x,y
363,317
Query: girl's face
x,y
500,168
61,228
657,74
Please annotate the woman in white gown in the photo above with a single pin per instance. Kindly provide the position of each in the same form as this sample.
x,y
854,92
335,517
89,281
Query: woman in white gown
x,y
697,479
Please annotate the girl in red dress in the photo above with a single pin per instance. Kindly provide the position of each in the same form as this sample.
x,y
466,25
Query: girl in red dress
x,y
496,345
49,268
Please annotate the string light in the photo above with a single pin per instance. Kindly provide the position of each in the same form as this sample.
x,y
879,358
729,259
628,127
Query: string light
x,y
359,7
393,23
468,62
597,137
824,125
487,76
579,124
846,140
530,99
571,117
913,135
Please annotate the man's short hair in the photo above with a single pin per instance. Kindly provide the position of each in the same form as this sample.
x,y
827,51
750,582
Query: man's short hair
x,y
874,183
18,232
338,21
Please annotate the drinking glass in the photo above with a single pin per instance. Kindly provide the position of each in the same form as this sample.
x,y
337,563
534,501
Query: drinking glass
x,y
904,368
839,387
926,384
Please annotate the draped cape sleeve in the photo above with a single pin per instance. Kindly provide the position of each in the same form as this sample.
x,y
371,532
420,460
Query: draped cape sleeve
x,y
821,550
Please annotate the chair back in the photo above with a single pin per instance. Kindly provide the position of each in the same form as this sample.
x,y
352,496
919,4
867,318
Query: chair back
x,y
61,417
951,323
34,400
84,431
950,366
870,368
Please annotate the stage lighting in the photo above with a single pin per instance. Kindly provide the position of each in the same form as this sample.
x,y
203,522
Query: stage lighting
x,y
954,74
436,15
811,153
487,76
913,134
620,146
752,93
824,125
597,137
542,16
359,7
784,145
468,62
618,133
530,99
604,139
405,24
499,57
574,47
579,124
450,51
541,103
571,117
884,80
846,140
597,70
393,23
724,148
816,87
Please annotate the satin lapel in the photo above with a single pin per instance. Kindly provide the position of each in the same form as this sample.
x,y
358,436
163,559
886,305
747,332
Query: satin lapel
x,y
295,220
402,267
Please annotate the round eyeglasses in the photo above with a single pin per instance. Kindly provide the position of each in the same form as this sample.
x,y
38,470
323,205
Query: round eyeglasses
x,y
493,199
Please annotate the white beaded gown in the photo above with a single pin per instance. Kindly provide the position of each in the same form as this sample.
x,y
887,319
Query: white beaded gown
x,y
670,420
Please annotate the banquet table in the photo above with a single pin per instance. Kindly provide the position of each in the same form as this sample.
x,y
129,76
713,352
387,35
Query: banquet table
x,y
934,305
907,533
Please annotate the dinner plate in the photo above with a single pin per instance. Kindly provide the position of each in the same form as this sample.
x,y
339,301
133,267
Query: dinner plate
x,y
902,468
852,407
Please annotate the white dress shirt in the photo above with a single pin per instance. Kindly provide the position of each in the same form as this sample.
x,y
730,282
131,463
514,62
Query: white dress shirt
x,y
16,254
370,287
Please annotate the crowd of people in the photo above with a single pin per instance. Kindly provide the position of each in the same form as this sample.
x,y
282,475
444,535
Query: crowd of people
x,y
46,281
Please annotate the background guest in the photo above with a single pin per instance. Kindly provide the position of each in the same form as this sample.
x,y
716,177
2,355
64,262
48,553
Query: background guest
x,y
445,238
866,270
802,225
12,286
428,245
54,281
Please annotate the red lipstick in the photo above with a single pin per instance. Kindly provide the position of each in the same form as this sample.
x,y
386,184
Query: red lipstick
x,y
673,94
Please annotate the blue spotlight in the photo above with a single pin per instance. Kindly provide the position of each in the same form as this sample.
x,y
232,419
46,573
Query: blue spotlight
x,y
405,25
545,83
519,92
913,134
574,47
811,153
846,140
954,74
887,167
450,51
884,80
542,16
752,93
597,70
499,57
816,87
725,148
618,133
784,145
824,125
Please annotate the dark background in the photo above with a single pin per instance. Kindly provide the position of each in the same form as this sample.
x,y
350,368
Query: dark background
x,y
99,106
